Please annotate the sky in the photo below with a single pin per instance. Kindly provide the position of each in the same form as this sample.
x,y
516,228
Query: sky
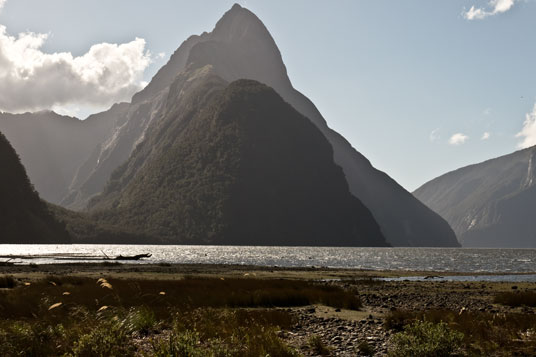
x,y
419,87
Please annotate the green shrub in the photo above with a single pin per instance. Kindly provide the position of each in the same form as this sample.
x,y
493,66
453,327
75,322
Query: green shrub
x,y
426,339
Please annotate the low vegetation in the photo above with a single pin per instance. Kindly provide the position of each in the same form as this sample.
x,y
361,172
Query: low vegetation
x,y
517,298
318,346
426,339
365,348
483,333
227,332
7,282
76,316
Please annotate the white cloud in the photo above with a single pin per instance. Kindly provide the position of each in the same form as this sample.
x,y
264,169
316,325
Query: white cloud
x,y
69,110
32,80
486,135
458,139
494,7
2,3
528,133
434,135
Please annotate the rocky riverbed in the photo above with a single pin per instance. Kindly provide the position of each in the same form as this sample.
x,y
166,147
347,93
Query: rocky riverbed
x,y
363,333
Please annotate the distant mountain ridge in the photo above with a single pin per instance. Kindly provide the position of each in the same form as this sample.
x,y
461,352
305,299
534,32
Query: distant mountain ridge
x,y
24,218
240,47
490,204
53,146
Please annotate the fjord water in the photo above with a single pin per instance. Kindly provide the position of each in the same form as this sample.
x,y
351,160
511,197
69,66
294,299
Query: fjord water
x,y
414,259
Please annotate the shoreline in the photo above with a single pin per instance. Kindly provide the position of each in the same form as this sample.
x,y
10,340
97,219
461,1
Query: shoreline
x,y
165,269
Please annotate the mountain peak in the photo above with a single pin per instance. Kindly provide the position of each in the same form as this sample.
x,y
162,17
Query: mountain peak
x,y
239,23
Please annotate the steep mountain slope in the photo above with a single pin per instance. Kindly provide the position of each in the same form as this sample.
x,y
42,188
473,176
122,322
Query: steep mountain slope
x,y
235,164
241,47
490,204
24,218
113,149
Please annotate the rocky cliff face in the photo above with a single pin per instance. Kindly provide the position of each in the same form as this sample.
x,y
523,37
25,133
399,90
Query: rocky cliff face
x,y
490,204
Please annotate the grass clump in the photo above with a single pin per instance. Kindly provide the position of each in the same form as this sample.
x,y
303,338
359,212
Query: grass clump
x,y
25,339
184,344
139,319
484,333
365,348
426,339
318,346
7,282
107,339
517,298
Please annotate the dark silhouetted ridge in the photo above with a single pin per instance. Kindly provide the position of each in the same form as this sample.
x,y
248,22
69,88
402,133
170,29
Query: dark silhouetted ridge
x,y
24,218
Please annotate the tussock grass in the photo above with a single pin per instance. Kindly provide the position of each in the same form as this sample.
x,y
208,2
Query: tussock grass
x,y
484,333
28,301
318,346
516,298
79,317
7,282
365,348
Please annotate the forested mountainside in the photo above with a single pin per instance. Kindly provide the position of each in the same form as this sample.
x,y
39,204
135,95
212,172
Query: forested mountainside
x,y
235,164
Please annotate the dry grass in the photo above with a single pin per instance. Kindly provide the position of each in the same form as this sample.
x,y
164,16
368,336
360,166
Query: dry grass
x,y
517,298
84,316
318,346
7,282
28,301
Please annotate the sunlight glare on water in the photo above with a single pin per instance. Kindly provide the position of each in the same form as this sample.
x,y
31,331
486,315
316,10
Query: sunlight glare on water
x,y
415,259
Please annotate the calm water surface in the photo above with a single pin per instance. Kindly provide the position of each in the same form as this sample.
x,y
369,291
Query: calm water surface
x,y
423,259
